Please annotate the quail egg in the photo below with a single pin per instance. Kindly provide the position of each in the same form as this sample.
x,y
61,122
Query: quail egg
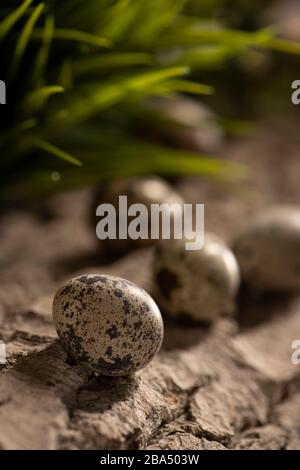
x,y
268,250
198,284
147,191
187,123
108,323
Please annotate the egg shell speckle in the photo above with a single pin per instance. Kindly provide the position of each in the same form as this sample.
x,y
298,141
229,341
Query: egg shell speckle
x,y
199,284
108,323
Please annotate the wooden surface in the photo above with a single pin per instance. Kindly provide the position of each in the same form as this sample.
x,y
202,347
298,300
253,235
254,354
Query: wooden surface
x,y
231,386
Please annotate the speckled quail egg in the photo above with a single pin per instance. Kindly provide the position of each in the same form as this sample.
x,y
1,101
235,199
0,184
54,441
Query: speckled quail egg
x,y
108,323
268,250
141,190
199,284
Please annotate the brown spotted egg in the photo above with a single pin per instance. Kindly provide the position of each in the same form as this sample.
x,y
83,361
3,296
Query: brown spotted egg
x,y
107,323
199,284
268,250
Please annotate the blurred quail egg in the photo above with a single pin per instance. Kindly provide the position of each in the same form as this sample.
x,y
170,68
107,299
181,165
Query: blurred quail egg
x,y
108,323
186,123
198,284
147,191
268,250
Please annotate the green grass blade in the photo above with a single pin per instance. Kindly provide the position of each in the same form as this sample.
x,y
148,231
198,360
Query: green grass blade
x,y
92,99
283,45
7,24
86,103
146,80
37,98
76,36
24,126
66,78
186,86
206,57
103,62
119,18
43,53
128,162
215,35
55,151
145,32
25,37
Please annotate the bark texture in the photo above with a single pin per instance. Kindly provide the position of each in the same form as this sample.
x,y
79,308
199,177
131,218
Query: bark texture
x,y
230,386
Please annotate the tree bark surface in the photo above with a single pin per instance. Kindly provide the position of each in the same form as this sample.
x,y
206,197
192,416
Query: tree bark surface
x,y
230,386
